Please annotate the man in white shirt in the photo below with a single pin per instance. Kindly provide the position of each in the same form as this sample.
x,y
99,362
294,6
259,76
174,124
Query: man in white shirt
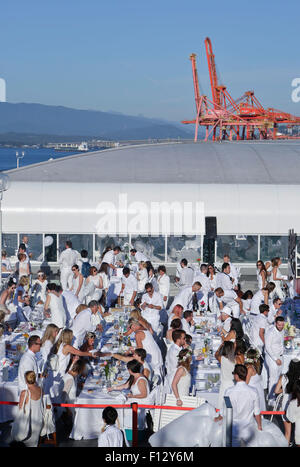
x,y
29,362
230,298
258,328
178,337
226,318
163,282
67,259
138,255
185,297
129,287
110,259
274,347
188,323
83,323
186,274
151,306
245,407
223,279
233,271
201,276
275,310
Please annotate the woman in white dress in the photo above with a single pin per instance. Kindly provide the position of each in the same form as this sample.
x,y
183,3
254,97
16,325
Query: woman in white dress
x,y
33,396
93,285
69,392
152,278
64,350
246,300
211,274
77,283
261,274
54,308
48,341
226,357
277,277
284,387
142,276
254,378
182,379
39,289
293,411
163,282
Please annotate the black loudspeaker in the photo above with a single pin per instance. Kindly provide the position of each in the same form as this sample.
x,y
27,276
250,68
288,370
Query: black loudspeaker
x,y
211,227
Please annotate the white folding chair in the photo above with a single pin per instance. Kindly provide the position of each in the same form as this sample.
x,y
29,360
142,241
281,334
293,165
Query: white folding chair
x,y
164,416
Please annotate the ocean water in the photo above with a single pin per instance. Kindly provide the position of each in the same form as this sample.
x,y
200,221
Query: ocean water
x,y
31,156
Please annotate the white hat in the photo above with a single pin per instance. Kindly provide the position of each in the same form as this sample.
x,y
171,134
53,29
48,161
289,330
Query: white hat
x,y
227,310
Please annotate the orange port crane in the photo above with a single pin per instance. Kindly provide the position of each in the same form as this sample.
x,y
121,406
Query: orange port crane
x,y
244,118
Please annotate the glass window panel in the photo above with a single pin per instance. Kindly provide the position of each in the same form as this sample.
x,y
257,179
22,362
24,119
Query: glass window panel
x,y
35,245
271,246
240,248
79,242
10,245
152,247
185,246
50,250
104,241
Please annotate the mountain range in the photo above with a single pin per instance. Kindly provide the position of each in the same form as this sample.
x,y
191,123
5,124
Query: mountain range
x,y
33,122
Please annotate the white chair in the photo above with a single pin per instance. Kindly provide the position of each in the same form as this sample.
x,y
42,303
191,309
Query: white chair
x,y
164,416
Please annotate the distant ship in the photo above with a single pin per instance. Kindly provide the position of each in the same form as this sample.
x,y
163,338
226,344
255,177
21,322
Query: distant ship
x,y
81,147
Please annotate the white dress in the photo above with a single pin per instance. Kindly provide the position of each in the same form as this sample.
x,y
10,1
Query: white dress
x,y
58,314
135,391
39,290
142,279
226,378
278,290
257,383
63,362
75,285
184,384
36,422
154,357
97,292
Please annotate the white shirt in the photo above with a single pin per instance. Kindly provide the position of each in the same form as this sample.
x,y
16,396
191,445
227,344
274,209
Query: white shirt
x,y
109,257
187,327
186,276
257,300
139,256
131,284
112,437
82,324
28,362
68,258
172,358
274,345
234,273
224,281
149,314
259,322
72,302
245,402
226,324
164,285
184,298
204,281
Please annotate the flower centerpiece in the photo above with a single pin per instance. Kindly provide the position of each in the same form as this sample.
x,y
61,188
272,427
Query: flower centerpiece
x,y
202,306
106,369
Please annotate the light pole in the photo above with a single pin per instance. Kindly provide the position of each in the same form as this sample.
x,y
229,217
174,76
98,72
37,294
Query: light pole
x,y
4,185
19,157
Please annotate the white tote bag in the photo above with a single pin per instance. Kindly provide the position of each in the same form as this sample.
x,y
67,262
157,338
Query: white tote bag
x,y
21,423
49,424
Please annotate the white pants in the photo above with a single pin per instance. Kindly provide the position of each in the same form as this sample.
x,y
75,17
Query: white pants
x,y
274,372
66,278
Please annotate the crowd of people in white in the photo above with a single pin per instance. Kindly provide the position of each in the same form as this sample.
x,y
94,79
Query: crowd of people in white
x,y
250,324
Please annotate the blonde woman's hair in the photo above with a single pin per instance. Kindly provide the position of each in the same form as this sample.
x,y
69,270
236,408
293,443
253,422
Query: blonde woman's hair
x,y
48,334
1,330
142,263
30,377
275,261
24,281
135,314
2,316
65,337
81,308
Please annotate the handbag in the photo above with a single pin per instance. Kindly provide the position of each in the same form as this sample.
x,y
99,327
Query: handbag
x,y
21,423
53,362
48,419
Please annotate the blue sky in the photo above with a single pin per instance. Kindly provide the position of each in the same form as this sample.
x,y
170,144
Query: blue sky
x,y
133,56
